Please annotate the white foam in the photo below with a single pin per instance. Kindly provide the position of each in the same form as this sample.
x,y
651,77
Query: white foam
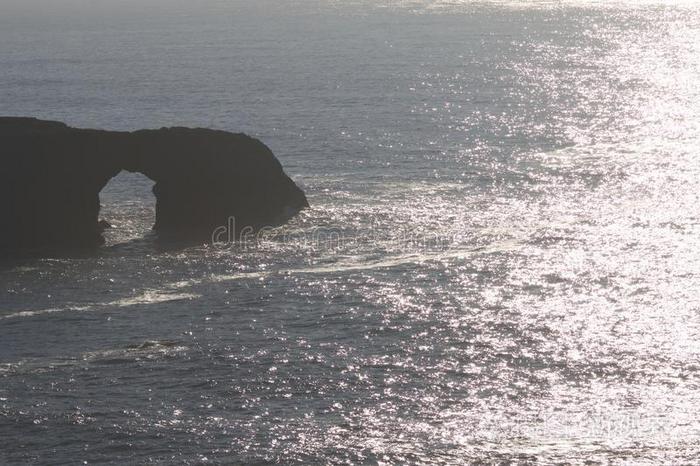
x,y
148,297
360,264
152,297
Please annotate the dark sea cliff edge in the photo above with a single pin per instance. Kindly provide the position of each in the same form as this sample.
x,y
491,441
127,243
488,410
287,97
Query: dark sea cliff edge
x,y
52,175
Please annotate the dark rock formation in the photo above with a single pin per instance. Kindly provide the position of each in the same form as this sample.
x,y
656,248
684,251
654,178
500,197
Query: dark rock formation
x,y
51,176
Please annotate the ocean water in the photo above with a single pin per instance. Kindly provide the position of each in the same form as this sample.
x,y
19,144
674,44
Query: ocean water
x,y
500,263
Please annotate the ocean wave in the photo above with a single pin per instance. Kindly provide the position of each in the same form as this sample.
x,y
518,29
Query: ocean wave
x,y
147,297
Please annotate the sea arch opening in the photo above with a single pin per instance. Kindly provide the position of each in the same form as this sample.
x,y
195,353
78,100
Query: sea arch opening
x,y
127,207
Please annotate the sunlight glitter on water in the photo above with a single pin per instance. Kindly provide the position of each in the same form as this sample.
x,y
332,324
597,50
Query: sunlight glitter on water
x,y
552,149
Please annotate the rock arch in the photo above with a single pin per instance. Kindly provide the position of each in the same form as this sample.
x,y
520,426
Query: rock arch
x,y
52,174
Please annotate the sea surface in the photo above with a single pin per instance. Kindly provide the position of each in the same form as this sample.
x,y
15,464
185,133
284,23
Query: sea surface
x,y
500,265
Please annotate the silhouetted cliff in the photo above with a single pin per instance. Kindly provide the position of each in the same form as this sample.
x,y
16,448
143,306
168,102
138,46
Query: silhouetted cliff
x,y
51,176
